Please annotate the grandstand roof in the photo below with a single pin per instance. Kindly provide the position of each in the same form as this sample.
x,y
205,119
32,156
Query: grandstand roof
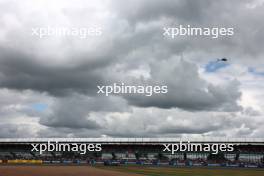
x,y
107,140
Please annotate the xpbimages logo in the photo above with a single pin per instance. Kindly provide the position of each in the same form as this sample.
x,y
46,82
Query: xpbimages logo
x,y
213,32
147,90
197,147
81,148
81,32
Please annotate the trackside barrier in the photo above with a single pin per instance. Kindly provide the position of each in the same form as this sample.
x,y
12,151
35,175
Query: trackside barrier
x,y
232,165
46,162
24,161
56,162
197,164
67,162
214,165
251,166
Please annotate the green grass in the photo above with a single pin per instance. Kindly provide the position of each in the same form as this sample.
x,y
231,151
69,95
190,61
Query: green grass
x,y
171,171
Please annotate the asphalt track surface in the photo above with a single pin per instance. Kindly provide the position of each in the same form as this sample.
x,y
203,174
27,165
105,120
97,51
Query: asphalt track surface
x,y
59,171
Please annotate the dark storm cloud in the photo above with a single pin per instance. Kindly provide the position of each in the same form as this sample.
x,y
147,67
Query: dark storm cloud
x,y
69,69
187,90
148,10
243,16
21,71
74,111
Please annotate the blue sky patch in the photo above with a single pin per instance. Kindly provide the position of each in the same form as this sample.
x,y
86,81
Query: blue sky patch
x,y
39,107
213,66
255,72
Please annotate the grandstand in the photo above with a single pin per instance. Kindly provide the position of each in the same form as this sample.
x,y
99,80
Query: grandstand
x,y
248,152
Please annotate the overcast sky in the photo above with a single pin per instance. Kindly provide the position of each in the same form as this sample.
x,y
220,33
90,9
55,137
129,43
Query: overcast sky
x,y
48,86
